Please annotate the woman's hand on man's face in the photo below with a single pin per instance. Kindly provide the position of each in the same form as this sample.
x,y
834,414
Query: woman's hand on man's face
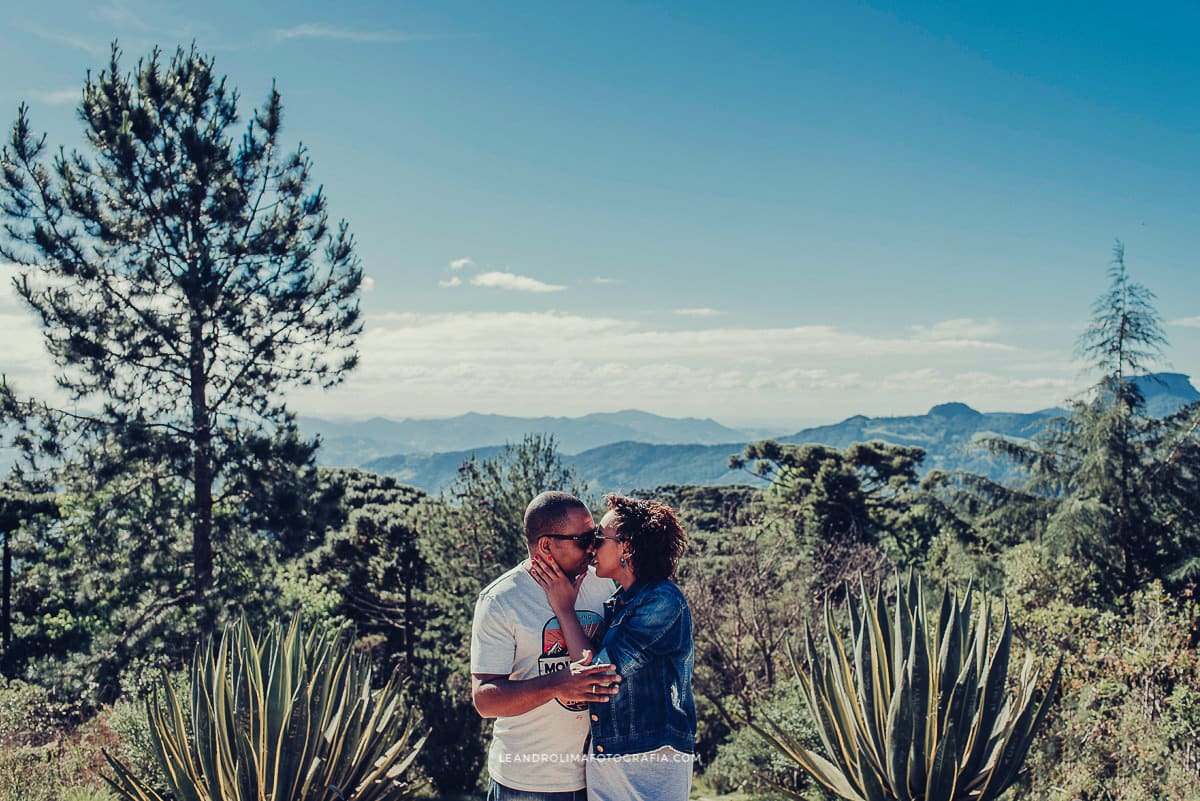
x,y
561,592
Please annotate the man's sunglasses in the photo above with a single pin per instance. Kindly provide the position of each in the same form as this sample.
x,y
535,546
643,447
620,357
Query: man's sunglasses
x,y
582,540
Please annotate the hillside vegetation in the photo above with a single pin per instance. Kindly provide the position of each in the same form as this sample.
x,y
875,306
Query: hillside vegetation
x,y
190,603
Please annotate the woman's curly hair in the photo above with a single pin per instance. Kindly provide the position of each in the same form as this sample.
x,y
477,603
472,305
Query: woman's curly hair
x,y
656,540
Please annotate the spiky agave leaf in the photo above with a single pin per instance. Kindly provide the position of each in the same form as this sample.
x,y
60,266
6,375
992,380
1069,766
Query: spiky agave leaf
x,y
290,716
916,707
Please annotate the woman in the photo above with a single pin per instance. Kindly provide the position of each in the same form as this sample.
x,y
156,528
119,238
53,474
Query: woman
x,y
642,740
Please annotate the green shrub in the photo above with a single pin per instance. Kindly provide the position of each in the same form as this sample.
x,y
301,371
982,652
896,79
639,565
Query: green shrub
x,y
28,715
745,763
290,716
134,747
67,765
1128,726
916,706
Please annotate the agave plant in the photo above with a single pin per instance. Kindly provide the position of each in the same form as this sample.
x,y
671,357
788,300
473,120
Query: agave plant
x,y
913,709
290,716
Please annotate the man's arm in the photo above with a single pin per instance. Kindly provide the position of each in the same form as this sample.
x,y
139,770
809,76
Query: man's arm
x,y
499,696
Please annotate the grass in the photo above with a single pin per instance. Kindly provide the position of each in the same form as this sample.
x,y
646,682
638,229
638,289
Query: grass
x,y
48,754
64,769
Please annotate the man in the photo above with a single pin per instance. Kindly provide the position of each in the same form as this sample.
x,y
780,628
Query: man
x,y
521,672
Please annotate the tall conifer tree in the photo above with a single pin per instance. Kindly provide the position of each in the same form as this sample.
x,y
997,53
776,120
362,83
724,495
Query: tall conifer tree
x,y
185,274
1109,438
1110,486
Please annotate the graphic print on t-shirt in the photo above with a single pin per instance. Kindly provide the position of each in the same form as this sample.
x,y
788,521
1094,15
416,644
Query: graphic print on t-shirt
x,y
556,657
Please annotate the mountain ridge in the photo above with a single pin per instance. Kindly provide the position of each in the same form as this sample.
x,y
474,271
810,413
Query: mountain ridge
x,y
948,432
353,443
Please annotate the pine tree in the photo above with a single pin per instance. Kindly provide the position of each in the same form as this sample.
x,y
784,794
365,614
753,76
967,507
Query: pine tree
x,y
1110,487
184,277
370,565
19,502
1129,509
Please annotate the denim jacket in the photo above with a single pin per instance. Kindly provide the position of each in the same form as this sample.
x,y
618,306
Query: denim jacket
x,y
648,637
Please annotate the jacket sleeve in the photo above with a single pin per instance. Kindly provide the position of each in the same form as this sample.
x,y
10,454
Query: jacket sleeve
x,y
655,627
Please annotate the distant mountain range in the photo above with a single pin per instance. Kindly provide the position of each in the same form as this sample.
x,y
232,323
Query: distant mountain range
x,y
357,442
629,450
1166,393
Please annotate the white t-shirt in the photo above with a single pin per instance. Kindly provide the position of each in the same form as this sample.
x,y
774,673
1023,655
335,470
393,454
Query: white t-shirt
x,y
516,634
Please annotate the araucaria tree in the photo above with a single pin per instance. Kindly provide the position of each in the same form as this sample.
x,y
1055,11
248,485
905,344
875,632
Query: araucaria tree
x,y
185,273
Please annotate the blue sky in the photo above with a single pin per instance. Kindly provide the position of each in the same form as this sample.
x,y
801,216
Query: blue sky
x,y
766,213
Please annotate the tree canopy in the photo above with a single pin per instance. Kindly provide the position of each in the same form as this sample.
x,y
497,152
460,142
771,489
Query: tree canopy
x,y
1110,486
184,274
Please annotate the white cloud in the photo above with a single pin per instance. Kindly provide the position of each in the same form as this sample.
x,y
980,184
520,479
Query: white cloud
x,y
458,264
516,283
702,312
343,34
26,363
368,283
541,334
959,328
602,280
57,97
449,363
1186,322
988,390
453,281
445,364
8,293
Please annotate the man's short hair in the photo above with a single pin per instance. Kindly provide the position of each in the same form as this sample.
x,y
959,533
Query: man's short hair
x,y
548,513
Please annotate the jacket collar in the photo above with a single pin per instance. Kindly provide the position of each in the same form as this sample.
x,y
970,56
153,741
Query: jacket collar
x,y
622,597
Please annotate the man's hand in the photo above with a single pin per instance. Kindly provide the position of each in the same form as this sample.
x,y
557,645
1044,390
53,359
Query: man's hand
x,y
589,683
497,696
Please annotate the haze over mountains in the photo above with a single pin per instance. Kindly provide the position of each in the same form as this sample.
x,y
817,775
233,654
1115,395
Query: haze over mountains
x,y
633,449
354,443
